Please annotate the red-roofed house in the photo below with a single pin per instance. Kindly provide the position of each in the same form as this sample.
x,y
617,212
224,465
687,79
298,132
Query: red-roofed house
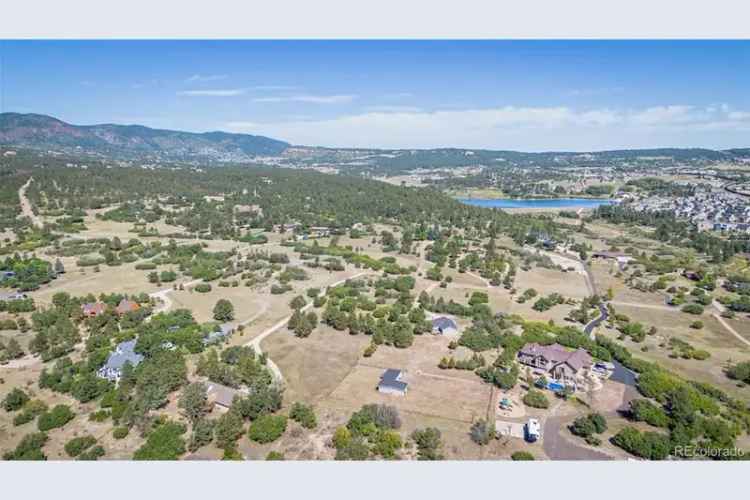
x,y
125,306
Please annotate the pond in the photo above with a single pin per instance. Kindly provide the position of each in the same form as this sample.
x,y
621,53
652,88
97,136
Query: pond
x,y
551,203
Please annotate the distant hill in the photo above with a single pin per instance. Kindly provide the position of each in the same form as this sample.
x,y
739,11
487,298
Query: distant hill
x,y
45,132
138,142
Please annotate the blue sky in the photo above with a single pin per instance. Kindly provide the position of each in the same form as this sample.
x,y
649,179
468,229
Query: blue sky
x,y
520,95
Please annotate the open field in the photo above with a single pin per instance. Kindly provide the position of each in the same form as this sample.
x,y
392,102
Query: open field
x,y
722,345
315,366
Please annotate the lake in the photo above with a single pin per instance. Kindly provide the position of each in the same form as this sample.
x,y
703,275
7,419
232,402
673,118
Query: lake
x,y
552,203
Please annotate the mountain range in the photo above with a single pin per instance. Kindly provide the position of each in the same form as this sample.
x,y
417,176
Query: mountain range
x,y
45,132
136,141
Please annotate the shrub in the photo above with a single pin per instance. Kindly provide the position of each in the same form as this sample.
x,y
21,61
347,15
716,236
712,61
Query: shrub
x,y
341,438
740,371
692,309
164,442
94,453
99,416
203,287
203,434
642,410
30,448
387,444
482,432
76,446
521,456
267,428
589,425
303,415
14,400
428,443
700,354
649,445
31,410
536,399
229,427
120,432
55,418
275,455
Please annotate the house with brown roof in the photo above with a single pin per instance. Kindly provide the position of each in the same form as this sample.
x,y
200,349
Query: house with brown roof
x,y
557,361
93,309
125,306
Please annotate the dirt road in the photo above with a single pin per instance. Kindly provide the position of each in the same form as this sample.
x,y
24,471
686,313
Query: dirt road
x,y
255,343
163,296
731,329
26,205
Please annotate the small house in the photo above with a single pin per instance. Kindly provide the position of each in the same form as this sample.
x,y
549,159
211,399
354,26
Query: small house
x,y
391,383
223,331
444,325
124,353
221,395
125,306
92,309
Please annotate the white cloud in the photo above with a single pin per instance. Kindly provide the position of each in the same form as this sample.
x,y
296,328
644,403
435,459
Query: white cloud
x,y
275,87
212,92
313,99
667,115
519,128
394,109
197,78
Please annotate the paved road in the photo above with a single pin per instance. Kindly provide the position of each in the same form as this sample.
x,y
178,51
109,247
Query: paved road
x,y
589,329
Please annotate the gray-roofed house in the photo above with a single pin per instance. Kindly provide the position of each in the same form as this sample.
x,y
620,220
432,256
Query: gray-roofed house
x,y
123,353
221,395
391,383
444,325
555,360
223,331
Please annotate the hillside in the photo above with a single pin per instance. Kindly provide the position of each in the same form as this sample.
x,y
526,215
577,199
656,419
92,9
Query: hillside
x,y
46,132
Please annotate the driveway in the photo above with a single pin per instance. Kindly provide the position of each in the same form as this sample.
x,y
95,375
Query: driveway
x,y
589,329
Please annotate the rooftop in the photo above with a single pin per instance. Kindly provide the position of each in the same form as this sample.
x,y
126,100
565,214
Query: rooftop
x,y
443,323
123,353
558,354
392,378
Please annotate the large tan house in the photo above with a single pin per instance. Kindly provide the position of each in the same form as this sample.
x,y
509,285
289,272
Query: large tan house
x,y
557,362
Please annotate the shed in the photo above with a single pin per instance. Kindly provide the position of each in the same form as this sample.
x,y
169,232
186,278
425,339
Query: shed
x,y
391,383
444,326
